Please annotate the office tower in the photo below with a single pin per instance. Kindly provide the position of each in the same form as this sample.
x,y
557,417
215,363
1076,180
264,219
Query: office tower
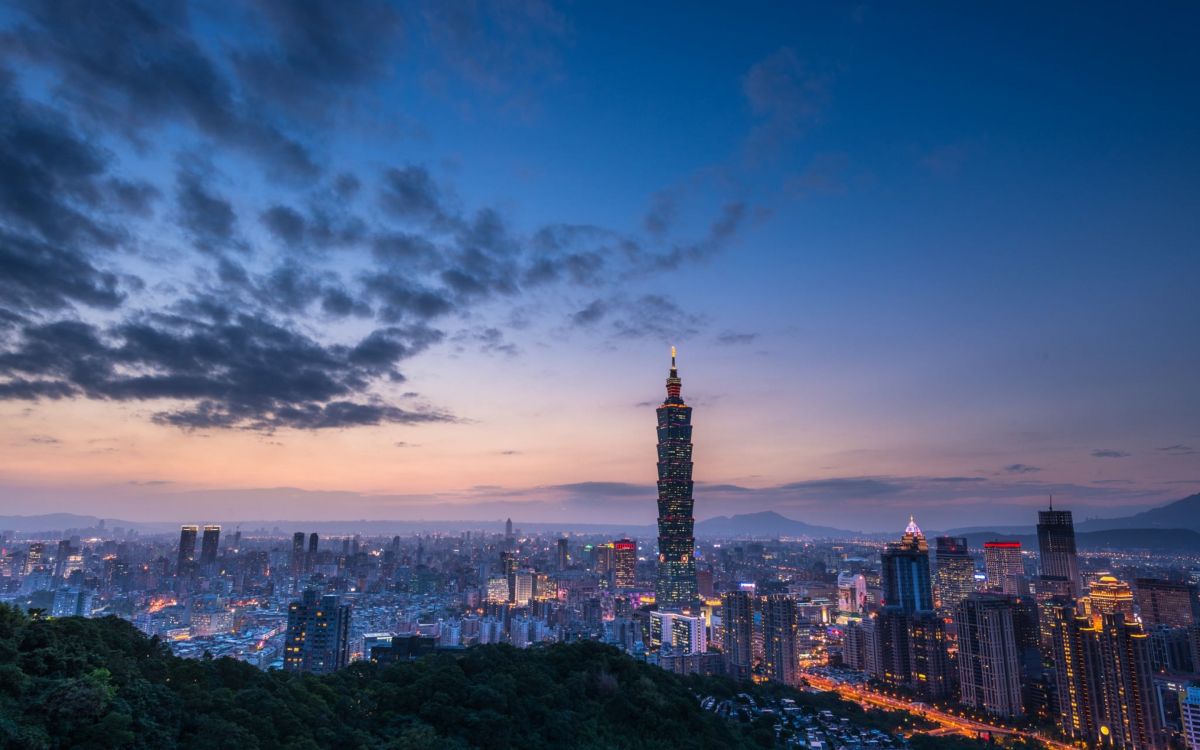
x,y
209,544
187,548
314,542
508,534
892,649
1110,596
1106,693
954,574
781,626
297,561
704,582
676,585
1161,602
564,557
60,558
989,665
1189,715
35,558
905,572
1170,649
1002,563
318,634
498,590
852,593
737,619
1056,548
854,646
931,675
522,587
625,563
603,560
681,633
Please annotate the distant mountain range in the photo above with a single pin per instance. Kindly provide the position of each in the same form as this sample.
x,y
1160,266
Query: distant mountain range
x,y
1175,525
766,525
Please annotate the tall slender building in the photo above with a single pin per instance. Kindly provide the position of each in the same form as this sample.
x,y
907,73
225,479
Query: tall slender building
x,y
1005,571
676,585
989,660
297,554
625,563
187,547
318,633
1056,549
737,618
209,544
780,630
954,579
310,560
905,572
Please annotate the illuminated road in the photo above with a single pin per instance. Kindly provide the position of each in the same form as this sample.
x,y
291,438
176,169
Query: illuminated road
x,y
948,722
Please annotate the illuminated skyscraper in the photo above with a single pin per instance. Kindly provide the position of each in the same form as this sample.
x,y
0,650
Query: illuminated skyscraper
x,y
318,633
297,561
781,627
676,585
954,578
1174,603
625,563
905,572
1106,692
187,548
1005,571
209,545
1110,596
989,662
1056,548
564,557
737,619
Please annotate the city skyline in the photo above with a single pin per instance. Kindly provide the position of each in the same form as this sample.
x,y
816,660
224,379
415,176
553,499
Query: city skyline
x,y
333,265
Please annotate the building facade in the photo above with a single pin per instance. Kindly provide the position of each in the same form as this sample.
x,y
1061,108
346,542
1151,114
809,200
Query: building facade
x,y
675,588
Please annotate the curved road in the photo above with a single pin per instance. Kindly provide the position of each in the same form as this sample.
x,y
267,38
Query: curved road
x,y
947,721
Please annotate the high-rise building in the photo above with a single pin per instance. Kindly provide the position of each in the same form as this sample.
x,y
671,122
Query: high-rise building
x,y
625,563
737,620
1005,571
297,561
318,634
931,674
781,626
1056,548
989,664
310,560
954,576
61,556
676,584
187,548
1110,596
682,633
852,593
1106,693
522,587
564,557
905,572
1160,602
209,544
1189,716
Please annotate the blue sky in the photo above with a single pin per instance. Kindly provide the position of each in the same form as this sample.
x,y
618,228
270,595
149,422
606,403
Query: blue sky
x,y
432,256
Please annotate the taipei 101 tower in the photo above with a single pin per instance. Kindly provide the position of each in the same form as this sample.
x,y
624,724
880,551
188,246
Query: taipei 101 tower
x,y
676,586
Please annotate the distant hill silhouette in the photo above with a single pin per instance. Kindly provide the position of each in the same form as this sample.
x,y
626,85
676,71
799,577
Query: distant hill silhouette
x,y
1159,540
765,525
1181,514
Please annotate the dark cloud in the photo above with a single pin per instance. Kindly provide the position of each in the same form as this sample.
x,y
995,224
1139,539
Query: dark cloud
x,y
659,218
488,340
1109,453
132,65
508,50
411,193
205,215
847,486
1021,469
244,371
1178,449
328,47
720,233
36,276
592,313
786,95
44,440
729,338
654,316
